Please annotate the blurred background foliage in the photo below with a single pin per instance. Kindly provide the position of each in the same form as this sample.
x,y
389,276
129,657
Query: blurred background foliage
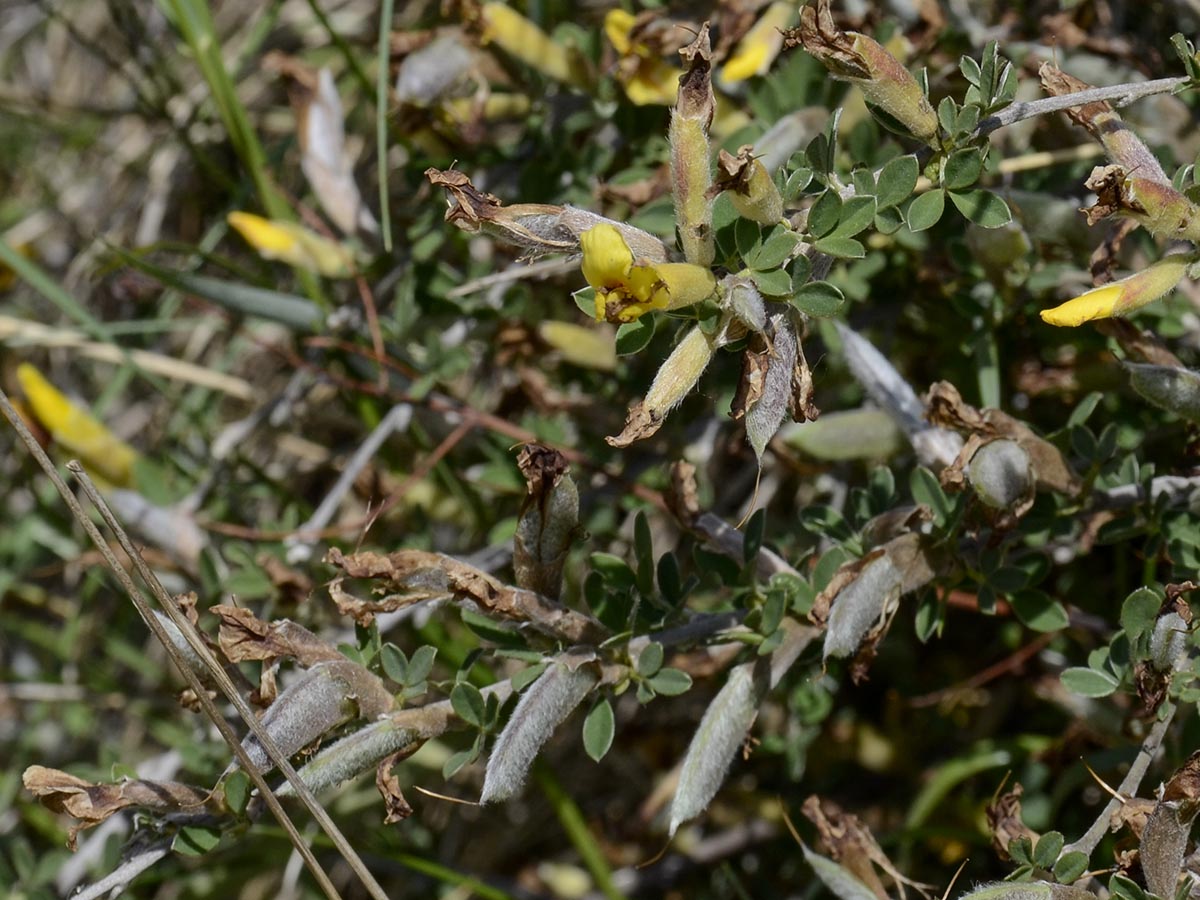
x,y
120,159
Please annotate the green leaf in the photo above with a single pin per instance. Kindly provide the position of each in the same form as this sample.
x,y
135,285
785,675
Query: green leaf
x,y
196,840
1049,845
925,211
889,221
527,676
842,247
963,168
632,337
1139,612
748,238
598,730
970,70
1039,611
1021,850
615,570
643,551
824,214
776,283
468,703
1088,682
775,248
585,299
985,209
650,660
1070,866
670,581
819,298
457,761
491,630
947,113
927,489
1086,406
420,665
897,180
671,682
857,214
237,791
395,663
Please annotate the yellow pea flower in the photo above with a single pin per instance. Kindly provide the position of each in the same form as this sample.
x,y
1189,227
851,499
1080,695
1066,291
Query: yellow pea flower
x,y
648,80
76,430
627,290
293,244
761,44
524,40
1122,296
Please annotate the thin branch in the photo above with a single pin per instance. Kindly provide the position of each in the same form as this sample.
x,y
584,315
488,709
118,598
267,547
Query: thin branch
x,y
1118,94
121,877
1128,787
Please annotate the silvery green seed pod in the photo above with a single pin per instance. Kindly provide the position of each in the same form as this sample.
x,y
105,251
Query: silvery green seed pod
x,y
861,604
717,739
1000,474
1168,642
324,697
1028,890
1164,842
1167,387
542,708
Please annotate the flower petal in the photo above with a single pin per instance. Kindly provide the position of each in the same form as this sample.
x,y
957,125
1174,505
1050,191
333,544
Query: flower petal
x,y
607,259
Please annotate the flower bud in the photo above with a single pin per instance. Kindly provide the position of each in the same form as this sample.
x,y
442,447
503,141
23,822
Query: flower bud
x,y
677,376
1122,296
750,188
1158,207
1167,387
691,174
857,58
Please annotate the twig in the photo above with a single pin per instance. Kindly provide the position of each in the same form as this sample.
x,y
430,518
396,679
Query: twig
x,y
300,548
121,876
1128,787
1118,94
516,272
1178,490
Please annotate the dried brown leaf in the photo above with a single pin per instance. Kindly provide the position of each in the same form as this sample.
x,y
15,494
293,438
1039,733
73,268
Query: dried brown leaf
x,y
1004,821
92,803
417,574
388,785
244,636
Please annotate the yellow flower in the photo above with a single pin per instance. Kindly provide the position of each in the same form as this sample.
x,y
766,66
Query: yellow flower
x,y
758,48
627,290
76,430
647,78
524,40
1122,296
292,244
